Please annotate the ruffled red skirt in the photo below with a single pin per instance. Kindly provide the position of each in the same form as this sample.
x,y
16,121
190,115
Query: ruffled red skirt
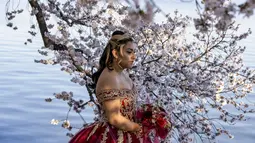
x,y
152,118
103,132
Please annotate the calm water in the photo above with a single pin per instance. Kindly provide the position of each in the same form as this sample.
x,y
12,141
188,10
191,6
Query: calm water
x,y
25,116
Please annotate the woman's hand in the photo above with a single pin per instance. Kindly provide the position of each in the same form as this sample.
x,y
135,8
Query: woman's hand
x,y
138,130
137,127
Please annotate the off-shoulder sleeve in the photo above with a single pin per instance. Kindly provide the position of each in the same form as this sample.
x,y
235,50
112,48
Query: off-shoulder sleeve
x,y
111,94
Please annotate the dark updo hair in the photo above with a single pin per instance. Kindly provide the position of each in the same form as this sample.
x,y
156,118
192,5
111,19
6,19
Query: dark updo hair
x,y
118,33
118,38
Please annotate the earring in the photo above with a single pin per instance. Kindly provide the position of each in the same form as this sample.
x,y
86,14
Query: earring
x,y
119,64
118,61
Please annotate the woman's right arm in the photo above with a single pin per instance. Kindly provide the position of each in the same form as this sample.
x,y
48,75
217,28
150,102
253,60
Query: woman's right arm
x,y
115,118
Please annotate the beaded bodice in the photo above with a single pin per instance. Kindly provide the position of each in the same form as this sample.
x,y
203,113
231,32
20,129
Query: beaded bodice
x,y
127,100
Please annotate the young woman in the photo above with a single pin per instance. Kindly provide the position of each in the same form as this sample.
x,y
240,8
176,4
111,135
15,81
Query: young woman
x,y
117,96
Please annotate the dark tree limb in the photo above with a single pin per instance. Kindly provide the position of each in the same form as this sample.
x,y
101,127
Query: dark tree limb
x,y
41,22
48,42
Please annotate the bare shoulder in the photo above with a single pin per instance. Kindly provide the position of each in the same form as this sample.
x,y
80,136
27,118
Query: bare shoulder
x,y
107,80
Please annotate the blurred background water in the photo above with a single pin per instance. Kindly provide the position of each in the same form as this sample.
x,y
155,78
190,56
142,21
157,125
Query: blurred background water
x,y
25,116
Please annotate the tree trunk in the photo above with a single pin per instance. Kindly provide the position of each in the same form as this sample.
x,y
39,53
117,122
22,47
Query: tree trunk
x,y
41,22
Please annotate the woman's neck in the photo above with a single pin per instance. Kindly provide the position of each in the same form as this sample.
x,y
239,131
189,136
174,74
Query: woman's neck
x,y
117,68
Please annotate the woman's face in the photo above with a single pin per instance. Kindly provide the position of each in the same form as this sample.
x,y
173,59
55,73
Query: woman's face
x,y
128,55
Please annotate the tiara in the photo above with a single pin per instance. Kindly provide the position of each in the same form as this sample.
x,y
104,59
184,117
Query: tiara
x,y
120,37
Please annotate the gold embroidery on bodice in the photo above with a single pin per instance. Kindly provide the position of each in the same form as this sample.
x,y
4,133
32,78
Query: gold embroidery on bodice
x,y
127,100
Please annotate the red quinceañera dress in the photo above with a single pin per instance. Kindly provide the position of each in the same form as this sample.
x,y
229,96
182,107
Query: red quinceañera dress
x,y
102,131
